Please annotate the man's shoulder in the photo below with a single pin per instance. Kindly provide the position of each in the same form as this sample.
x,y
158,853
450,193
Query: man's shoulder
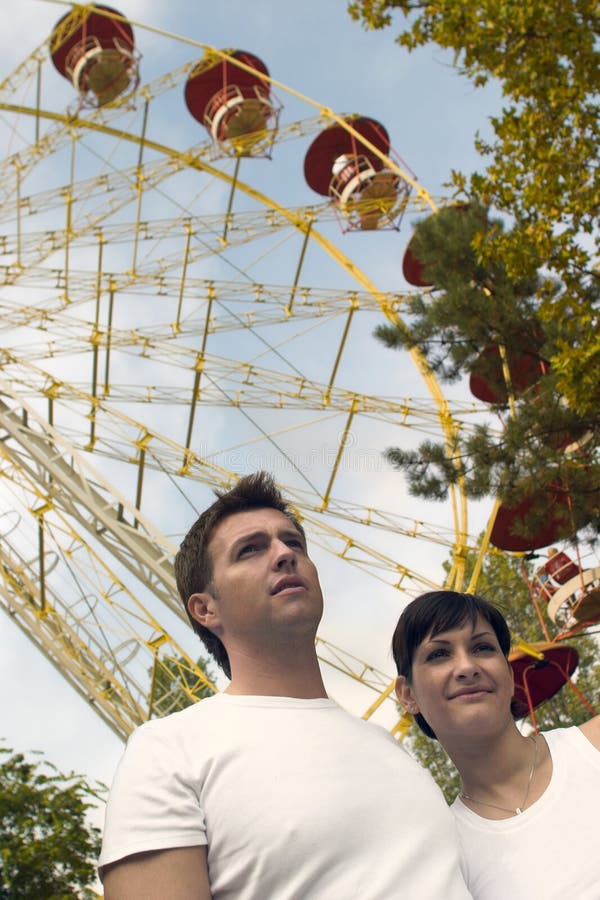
x,y
182,720
371,735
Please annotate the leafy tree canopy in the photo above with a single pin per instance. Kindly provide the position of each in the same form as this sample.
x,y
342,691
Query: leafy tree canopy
x,y
503,582
48,850
542,162
177,683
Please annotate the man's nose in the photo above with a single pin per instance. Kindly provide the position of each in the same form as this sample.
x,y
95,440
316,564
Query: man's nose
x,y
283,554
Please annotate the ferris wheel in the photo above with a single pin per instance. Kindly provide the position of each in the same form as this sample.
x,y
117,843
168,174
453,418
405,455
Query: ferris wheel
x,y
181,304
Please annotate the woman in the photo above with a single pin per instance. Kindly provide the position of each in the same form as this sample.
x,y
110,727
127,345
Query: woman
x,y
528,810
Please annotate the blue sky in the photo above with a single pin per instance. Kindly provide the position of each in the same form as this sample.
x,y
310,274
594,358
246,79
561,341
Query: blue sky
x,y
431,115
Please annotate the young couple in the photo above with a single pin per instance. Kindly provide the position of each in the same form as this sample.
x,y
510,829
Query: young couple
x,y
270,791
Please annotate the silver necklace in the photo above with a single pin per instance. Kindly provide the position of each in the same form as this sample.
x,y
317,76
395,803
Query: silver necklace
x,y
519,809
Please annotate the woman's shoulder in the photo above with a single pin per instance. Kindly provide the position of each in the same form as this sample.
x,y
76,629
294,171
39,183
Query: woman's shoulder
x,y
591,730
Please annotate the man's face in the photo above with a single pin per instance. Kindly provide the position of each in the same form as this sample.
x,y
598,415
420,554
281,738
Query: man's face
x,y
264,586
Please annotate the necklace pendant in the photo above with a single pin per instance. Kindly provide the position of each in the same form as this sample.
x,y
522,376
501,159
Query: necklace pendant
x,y
518,811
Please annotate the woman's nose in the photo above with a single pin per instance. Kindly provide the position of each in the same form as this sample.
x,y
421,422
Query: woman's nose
x,y
465,664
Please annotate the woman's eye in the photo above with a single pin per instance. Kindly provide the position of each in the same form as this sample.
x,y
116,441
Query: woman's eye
x,y
485,648
436,654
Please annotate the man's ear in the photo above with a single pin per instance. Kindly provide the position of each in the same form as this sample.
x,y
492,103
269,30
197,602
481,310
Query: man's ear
x,y
405,695
203,609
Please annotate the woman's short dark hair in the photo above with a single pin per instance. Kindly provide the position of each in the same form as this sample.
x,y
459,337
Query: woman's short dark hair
x,y
435,612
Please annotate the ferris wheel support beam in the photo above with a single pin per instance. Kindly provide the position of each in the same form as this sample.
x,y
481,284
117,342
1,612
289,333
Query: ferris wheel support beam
x,y
139,186
19,226
95,340
342,345
146,555
198,370
296,280
184,267
338,459
232,187
72,653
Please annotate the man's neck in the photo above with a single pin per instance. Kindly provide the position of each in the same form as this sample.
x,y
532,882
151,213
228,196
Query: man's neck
x,y
270,676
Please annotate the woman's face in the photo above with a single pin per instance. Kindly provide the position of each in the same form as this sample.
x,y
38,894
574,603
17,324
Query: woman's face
x,y
460,681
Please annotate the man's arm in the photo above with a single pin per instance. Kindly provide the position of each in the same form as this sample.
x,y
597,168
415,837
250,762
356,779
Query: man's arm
x,y
178,874
591,729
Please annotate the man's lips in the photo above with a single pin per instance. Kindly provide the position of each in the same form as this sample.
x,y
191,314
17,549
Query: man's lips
x,y
289,582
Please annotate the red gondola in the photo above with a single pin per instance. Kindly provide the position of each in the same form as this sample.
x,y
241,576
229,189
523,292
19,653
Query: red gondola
x,y
339,165
525,366
413,269
557,524
560,566
93,47
233,102
536,680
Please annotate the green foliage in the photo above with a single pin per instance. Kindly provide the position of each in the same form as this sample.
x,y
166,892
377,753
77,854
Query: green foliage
x,y
476,304
47,849
483,323
541,165
503,581
432,756
177,683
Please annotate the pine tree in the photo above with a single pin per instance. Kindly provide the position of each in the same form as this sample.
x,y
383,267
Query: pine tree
x,y
477,317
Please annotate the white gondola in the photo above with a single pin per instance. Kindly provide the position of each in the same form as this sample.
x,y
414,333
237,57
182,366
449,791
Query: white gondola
x,y
578,600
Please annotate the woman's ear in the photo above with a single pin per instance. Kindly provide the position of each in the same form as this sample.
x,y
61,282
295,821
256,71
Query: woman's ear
x,y
405,695
204,610
512,675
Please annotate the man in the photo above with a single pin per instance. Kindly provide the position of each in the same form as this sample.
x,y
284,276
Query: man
x,y
269,791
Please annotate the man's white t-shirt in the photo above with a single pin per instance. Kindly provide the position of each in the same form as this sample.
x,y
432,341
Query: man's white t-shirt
x,y
295,800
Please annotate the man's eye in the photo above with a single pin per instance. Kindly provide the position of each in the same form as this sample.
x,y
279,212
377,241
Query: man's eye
x,y
247,549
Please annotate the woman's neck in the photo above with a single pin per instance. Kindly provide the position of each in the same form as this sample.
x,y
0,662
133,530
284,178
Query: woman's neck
x,y
489,764
503,775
